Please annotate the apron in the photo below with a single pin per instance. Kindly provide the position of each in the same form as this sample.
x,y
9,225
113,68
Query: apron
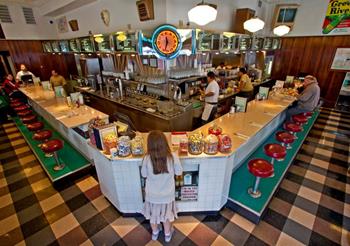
x,y
208,108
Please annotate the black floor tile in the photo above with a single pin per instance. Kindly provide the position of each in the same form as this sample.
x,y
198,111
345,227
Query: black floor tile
x,y
254,241
319,240
25,202
275,219
33,226
93,225
77,202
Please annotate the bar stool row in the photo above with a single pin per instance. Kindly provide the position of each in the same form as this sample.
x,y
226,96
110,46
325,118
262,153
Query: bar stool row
x,y
49,146
261,168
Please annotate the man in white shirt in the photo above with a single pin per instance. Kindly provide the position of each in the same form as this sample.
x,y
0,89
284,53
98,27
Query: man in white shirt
x,y
22,72
211,96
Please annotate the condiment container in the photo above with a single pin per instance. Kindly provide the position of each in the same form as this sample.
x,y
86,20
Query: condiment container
x,y
124,146
195,143
137,146
225,143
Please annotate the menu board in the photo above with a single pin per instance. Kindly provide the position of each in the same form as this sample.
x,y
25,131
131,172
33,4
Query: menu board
x,y
205,41
86,44
55,46
257,43
102,43
125,42
267,43
245,43
74,45
276,42
47,46
64,45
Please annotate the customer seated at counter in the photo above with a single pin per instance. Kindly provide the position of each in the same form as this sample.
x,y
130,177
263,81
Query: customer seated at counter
x,y
23,72
56,79
308,100
211,96
245,85
9,85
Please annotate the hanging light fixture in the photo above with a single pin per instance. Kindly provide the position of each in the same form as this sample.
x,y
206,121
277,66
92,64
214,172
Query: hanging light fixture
x,y
281,30
203,13
99,38
253,24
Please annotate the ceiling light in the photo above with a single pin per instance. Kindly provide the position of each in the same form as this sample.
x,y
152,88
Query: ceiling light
x,y
121,37
229,34
99,39
253,24
281,30
202,14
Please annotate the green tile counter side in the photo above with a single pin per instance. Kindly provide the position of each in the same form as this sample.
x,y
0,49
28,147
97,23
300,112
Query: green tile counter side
x,y
72,159
242,179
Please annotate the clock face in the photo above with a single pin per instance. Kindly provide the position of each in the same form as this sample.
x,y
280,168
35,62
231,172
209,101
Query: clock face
x,y
166,42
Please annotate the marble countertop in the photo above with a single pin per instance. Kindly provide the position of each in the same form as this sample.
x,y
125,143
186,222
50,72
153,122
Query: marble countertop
x,y
58,108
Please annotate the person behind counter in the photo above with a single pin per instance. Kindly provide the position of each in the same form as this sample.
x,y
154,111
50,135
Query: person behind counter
x,y
159,167
56,79
23,72
245,85
307,101
221,66
211,96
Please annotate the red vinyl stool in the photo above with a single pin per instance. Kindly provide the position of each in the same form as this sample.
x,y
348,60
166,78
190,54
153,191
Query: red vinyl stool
x,y
24,112
43,136
299,119
12,100
260,168
292,128
308,114
16,104
36,126
285,138
52,146
29,118
21,108
275,151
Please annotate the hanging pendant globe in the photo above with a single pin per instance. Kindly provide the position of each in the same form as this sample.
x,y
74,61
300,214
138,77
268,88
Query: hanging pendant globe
x,y
253,25
202,14
281,30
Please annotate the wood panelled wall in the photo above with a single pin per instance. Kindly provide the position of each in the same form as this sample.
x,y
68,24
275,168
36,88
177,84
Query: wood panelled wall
x,y
312,55
30,53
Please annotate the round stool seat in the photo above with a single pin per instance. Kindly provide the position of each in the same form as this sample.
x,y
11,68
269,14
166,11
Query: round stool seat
x,y
52,146
292,127
36,126
299,118
284,137
25,112
260,168
12,100
29,118
275,151
307,114
21,108
16,104
42,135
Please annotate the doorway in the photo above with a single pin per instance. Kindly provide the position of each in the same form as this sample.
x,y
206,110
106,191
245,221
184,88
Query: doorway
x,y
6,65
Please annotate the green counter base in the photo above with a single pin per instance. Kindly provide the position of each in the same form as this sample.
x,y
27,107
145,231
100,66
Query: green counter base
x,y
73,160
253,208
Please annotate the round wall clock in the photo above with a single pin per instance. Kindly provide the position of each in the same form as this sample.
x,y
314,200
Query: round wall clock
x,y
166,42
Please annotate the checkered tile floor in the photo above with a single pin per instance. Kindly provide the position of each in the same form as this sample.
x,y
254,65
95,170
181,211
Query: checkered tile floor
x,y
311,207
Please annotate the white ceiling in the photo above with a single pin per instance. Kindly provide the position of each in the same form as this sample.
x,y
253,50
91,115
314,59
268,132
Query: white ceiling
x,y
33,3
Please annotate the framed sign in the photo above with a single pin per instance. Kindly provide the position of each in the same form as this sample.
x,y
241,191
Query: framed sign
x,y
241,104
341,60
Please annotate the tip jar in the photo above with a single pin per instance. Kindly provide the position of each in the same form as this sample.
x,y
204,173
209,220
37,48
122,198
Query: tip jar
x,y
211,144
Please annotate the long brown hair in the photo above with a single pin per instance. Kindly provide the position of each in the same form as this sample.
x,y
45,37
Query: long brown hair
x,y
159,151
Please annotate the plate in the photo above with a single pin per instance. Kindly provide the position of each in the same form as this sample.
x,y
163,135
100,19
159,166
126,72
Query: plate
x,y
151,110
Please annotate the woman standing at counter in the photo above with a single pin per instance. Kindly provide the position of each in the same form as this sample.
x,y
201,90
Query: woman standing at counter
x,y
245,85
159,167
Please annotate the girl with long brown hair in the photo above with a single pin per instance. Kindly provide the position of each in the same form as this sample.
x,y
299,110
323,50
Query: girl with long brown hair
x,y
159,167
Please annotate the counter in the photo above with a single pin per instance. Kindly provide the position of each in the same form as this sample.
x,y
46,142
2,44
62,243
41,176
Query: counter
x,y
120,179
61,117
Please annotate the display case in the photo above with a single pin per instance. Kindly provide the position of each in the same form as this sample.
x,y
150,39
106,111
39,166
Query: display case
x,y
86,44
103,43
125,42
227,42
276,43
245,43
64,46
47,46
267,43
55,46
257,43
74,45
204,41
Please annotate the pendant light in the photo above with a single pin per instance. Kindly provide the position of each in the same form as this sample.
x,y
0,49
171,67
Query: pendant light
x,y
253,24
203,13
281,29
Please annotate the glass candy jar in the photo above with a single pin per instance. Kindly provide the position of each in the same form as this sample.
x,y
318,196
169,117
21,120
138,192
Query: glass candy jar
x,y
195,143
211,144
225,143
215,130
137,146
109,142
124,146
